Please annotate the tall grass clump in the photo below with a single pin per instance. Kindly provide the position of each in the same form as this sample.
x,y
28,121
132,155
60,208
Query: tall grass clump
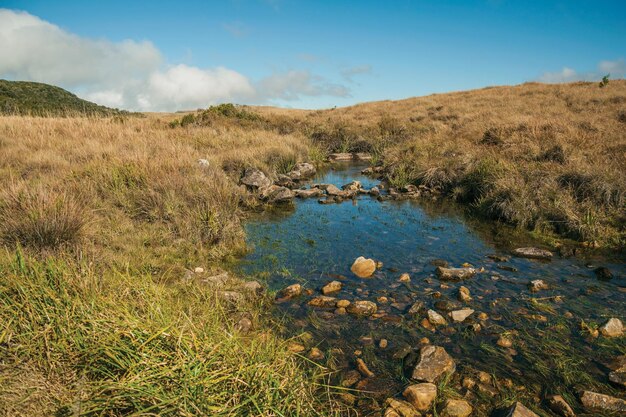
x,y
41,218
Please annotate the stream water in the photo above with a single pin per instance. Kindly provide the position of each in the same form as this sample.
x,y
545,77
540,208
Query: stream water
x,y
551,353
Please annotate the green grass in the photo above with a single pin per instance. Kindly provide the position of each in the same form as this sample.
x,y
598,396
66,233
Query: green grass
x,y
116,344
38,99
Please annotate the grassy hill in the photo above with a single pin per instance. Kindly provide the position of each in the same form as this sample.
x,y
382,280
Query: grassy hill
x,y
547,158
38,99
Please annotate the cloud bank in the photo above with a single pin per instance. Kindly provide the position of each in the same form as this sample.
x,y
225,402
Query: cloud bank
x,y
134,75
617,69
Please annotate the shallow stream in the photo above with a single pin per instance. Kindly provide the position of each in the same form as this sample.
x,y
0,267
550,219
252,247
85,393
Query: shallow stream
x,y
313,244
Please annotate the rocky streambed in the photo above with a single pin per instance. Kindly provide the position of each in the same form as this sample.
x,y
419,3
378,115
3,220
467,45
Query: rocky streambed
x,y
417,310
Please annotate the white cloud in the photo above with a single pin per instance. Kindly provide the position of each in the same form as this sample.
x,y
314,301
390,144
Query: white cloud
x,y
292,85
350,73
616,68
134,75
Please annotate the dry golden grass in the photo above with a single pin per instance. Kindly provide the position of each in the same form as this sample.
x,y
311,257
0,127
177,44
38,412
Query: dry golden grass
x,y
98,218
138,182
549,158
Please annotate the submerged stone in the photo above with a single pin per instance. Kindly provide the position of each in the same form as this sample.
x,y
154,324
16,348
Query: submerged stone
x,y
434,362
331,287
592,401
558,404
421,396
533,253
456,408
455,274
460,315
362,308
519,410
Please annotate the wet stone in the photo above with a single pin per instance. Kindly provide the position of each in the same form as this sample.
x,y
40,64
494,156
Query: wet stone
x,y
291,291
464,294
323,301
533,253
421,396
558,404
455,274
434,362
456,408
593,401
603,273
612,328
331,287
460,315
537,285
363,268
519,410
436,319
362,308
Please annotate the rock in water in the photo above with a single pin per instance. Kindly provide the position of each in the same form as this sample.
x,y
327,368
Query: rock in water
x,y
612,328
558,404
603,273
331,287
457,408
434,362
276,194
363,268
323,302
362,308
537,285
436,318
352,186
302,170
533,253
518,410
291,291
455,274
255,179
460,315
421,396
464,294
399,408
310,193
592,401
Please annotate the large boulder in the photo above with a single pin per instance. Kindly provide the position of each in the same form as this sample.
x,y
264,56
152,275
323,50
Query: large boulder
x,y
533,253
592,401
519,410
255,179
363,268
302,170
434,362
276,194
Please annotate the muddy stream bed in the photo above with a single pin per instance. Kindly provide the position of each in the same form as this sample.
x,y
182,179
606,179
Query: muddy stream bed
x,y
516,345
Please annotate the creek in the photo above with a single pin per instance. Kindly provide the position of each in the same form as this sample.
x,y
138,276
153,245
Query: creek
x,y
313,244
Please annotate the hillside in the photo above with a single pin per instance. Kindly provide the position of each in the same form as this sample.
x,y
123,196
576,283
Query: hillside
x,y
547,158
38,99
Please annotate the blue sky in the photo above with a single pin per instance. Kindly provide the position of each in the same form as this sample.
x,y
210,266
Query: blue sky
x,y
309,54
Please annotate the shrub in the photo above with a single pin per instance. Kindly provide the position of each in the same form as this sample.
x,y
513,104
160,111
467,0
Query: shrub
x,y
41,218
